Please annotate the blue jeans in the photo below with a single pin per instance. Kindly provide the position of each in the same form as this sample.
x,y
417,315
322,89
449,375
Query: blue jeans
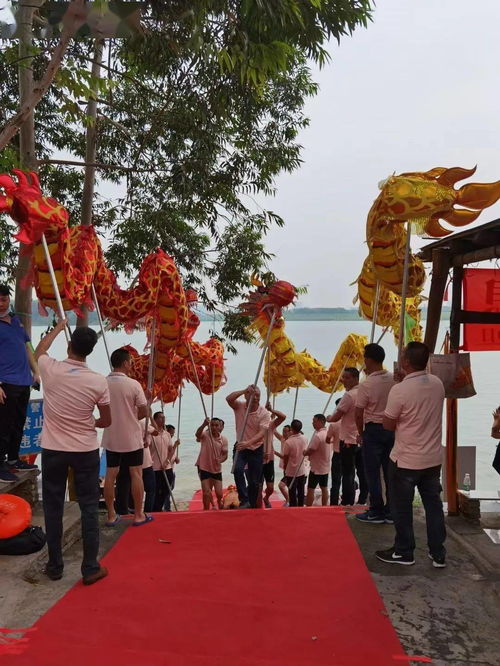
x,y
402,483
253,461
377,445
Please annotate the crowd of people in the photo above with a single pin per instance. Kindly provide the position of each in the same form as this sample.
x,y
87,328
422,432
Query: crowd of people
x,y
385,427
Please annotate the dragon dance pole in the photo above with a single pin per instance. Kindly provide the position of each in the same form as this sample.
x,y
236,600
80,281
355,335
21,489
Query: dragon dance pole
x,y
295,401
67,330
375,311
149,399
98,312
336,383
259,368
212,397
404,291
198,386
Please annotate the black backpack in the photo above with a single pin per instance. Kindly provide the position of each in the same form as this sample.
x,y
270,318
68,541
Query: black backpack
x,y
30,540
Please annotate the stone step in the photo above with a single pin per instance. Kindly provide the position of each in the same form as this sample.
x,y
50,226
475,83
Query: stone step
x,y
29,567
25,485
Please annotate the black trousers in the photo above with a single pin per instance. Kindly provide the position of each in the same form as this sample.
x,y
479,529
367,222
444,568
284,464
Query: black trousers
x,y
296,486
162,493
123,498
402,484
12,417
377,446
348,464
55,466
360,473
336,478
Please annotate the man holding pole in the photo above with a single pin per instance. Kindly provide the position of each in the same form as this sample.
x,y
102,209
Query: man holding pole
x,y
252,422
371,401
123,439
320,453
69,439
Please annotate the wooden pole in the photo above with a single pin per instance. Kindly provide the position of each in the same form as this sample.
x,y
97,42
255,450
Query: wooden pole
x,y
295,402
404,291
451,403
440,268
375,311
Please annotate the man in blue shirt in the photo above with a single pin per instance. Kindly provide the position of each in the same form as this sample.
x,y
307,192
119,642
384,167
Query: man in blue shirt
x,y
18,370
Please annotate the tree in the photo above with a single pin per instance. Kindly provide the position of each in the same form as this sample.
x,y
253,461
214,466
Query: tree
x,y
197,118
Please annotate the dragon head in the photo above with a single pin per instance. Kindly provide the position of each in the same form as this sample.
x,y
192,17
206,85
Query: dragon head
x,y
267,299
426,197
24,202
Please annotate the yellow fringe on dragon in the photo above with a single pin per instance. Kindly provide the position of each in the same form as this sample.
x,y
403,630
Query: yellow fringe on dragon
x,y
78,263
422,198
289,368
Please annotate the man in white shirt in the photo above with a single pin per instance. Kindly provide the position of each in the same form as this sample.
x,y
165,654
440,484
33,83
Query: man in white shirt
x,y
345,413
377,441
123,440
250,450
415,411
71,391
319,452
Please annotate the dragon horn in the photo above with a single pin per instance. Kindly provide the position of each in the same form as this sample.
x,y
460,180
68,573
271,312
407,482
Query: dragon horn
x,y
451,176
35,180
478,195
21,177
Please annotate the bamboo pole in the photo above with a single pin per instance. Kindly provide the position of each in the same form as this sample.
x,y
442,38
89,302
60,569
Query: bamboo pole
x,y
67,330
99,317
375,310
295,401
404,291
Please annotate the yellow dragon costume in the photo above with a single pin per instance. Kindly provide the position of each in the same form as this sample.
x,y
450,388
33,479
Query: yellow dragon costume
x,y
78,263
285,367
422,198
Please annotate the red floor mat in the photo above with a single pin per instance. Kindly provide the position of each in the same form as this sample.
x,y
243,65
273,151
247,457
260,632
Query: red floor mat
x,y
233,588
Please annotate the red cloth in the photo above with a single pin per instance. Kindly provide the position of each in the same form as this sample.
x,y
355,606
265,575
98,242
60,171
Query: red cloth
x,y
481,293
245,588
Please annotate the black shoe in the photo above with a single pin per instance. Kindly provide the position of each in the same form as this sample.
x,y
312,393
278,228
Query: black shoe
x,y
438,562
20,466
53,574
6,475
390,556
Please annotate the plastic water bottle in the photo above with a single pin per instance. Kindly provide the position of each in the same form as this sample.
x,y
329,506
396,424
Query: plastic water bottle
x,y
467,483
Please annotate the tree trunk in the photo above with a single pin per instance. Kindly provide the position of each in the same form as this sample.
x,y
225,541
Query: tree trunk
x,y
90,158
23,298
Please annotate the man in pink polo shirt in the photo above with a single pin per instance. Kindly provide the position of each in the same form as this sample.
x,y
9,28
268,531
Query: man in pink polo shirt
x,y
345,414
164,454
71,391
213,452
320,453
333,438
415,411
123,440
371,400
250,449
294,463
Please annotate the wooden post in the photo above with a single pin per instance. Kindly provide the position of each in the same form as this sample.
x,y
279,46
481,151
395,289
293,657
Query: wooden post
x,y
440,268
451,403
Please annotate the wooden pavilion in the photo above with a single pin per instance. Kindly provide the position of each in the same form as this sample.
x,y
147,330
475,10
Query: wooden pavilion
x,y
453,253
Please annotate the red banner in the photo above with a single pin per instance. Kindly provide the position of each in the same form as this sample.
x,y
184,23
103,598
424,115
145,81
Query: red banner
x,y
481,293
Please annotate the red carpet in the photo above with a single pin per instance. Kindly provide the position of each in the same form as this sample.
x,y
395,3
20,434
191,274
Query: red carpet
x,y
233,588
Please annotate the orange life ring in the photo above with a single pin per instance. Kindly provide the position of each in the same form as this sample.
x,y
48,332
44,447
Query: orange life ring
x,y
15,515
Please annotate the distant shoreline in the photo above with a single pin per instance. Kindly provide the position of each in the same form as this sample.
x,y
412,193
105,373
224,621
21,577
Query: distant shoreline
x,y
297,314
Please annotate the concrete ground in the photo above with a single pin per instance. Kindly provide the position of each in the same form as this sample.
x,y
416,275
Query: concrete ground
x,y
451,615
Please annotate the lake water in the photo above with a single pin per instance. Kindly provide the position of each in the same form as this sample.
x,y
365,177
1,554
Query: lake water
x,y
322,339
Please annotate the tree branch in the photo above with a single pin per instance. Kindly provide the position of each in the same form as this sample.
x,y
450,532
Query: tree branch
x,y
74,18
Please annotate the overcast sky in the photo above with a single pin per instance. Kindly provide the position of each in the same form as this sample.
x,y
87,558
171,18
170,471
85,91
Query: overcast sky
x,y
418,88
